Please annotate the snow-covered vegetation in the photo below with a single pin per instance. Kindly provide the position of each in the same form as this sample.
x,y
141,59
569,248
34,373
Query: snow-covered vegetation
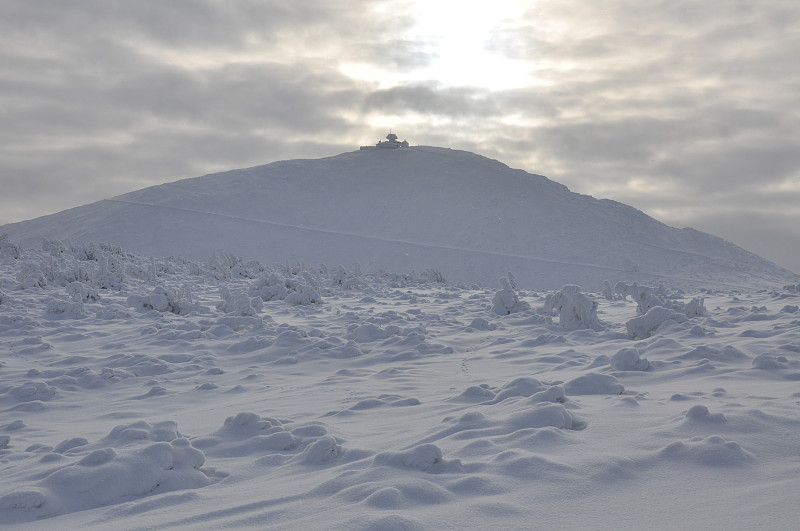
x,y
170,393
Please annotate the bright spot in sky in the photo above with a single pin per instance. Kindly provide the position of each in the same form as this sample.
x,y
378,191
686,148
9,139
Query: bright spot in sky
x,y
458,36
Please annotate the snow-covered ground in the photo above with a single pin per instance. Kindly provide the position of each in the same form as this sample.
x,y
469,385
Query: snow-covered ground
x,y
150,393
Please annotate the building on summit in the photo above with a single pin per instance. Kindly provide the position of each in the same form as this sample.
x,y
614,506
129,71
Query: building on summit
x,y
390,143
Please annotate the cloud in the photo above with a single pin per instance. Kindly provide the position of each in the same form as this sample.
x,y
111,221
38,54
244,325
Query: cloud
x,y
683,109
433,99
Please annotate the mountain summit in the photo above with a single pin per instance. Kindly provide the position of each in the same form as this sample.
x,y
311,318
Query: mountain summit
x,y
470,217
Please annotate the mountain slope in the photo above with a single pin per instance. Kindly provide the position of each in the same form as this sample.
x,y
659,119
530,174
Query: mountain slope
x,y
473,218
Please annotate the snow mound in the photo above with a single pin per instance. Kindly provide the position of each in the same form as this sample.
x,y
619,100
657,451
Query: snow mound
x,y
713,451
425,457
629,359
248,434
131,462
594,384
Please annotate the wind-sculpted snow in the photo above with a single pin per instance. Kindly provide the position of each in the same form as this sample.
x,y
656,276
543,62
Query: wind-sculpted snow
x,y
140,392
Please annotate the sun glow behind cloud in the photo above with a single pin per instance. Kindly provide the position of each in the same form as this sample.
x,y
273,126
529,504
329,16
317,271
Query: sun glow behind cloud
x,y
457,38
683,106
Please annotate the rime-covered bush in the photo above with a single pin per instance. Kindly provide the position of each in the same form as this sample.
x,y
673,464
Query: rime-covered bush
x,y
507,301
164,300
9,249
65,309
144,271
296,289
434,276
60,270
645,325
54,247
693,308
228,265
347,280
222,265
646,298
81,292
240,304
86,253
608,293
110,273
31,277
575,310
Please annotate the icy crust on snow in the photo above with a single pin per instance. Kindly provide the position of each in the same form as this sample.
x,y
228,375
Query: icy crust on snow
x,y
227,394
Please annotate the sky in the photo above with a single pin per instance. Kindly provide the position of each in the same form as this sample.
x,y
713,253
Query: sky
x,y
686,110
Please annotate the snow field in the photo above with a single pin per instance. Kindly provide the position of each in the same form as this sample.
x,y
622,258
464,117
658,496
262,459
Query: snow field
x,y
140,393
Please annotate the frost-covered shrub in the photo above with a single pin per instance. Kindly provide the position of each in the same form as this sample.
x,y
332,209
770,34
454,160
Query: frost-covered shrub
x,y
61,270
228,265
347,280
506,301
222,265
31,277
71,272
294,289
575,310
54,247
303,295
79,291
646,298
86,253
643,326
9,249
163,300
110,273
608,293
693,308
65,309
145,272
434,275
240,304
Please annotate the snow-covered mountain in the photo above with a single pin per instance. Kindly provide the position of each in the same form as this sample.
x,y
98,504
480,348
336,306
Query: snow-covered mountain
x,y
470,217
142,392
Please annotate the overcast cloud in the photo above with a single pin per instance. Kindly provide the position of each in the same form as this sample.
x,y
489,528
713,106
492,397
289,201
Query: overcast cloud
x,y
686,110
